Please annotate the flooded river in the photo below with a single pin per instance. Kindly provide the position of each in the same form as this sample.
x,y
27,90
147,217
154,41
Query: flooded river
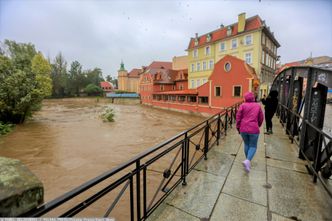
x,y
67,144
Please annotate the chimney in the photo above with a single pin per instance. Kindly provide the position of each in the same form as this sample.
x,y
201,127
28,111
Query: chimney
x,y
241,22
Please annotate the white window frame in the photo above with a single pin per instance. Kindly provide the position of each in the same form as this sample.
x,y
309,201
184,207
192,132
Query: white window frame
x,y
222,48
198,82
192,83
198,66
211,63
250,57
195,53
204,80
204,65
192,67
234,41
233,92
215,91
251,39
207,50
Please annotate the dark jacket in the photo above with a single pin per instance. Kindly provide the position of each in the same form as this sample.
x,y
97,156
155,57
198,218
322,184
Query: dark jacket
x,y
271,103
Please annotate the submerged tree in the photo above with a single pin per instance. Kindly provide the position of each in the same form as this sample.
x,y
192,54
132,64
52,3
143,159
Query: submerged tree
x,y
25,81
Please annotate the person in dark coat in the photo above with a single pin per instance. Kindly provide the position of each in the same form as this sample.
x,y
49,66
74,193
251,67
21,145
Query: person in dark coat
x,y
271,104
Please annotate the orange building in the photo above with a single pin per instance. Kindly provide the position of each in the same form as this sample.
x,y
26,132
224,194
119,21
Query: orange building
x,y
231,77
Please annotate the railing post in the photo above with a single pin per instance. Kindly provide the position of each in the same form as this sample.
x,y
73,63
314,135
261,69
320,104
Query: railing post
x,y
226,120
231,120
218,129
144,192
184,160
138,190
206,140
131,199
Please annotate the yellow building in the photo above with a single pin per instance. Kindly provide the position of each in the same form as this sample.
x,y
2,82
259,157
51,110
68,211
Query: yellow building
x,y
180,62
128,81
248,39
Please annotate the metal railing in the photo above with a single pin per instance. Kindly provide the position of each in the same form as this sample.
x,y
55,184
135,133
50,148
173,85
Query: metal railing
x,y
134,181
299,128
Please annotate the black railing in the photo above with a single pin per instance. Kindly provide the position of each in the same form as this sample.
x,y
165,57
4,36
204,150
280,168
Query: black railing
x,y
301,110
132,184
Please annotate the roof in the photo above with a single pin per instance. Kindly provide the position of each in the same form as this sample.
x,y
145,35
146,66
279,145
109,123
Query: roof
x,y
160,65
134,73
252,23
106,84
182,92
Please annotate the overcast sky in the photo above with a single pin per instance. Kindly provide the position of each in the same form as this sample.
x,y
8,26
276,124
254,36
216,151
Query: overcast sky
x,y
101,33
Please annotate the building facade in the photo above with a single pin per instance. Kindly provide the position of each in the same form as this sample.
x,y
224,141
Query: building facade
x,y
128,81
248,39
230,78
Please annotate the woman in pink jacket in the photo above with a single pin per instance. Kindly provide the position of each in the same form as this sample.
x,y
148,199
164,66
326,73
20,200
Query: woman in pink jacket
x,y
248,120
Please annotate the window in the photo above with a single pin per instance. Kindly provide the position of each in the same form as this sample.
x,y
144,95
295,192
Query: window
x,y
237,90
263,56
161,87
248,58
198,82
174,87
248,39
198,66
204,65
207,50
204,81
181,98
217,91
181,87
267,60
192,67
192,84
228,66
203,100
192,99
210,64
222,46
234,43
195,53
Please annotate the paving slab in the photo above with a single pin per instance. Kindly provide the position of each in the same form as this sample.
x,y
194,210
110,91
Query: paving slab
x,y
231,208
299,167
248,186
276,217
294,195
166,212
218,163
199,195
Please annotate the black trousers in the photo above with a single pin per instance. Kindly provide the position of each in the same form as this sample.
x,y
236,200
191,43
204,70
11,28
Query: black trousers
x,y
268,121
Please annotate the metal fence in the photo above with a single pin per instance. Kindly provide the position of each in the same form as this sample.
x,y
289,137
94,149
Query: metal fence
x,y
301,110
140,185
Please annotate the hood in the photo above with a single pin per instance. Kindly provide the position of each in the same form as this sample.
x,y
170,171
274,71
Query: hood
x,y
249,97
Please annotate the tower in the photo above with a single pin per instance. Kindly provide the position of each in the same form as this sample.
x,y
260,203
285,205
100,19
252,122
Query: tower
x,y
122,77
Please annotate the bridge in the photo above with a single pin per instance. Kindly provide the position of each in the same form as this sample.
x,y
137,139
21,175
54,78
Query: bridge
x,y
204,178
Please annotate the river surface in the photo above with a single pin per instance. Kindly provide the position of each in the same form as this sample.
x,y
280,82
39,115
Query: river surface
x,y
66,143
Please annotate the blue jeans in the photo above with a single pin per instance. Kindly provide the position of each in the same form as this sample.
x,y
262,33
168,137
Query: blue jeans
x,y
250,144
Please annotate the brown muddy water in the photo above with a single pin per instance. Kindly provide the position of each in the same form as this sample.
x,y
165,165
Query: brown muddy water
x,y
66,143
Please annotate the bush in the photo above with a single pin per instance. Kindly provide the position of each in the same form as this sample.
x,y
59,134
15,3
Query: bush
x,y
108,115
5,128
93,90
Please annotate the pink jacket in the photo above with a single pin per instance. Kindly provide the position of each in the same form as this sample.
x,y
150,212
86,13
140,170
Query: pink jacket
x,y
249,116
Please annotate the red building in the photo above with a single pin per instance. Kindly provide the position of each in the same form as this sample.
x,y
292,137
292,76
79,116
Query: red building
x,y
106,86
229,80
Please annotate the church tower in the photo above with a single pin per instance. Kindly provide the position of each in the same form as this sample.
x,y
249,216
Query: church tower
x,y
122,77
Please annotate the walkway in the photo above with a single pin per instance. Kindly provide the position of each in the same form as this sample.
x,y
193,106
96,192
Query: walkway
x,y
277,188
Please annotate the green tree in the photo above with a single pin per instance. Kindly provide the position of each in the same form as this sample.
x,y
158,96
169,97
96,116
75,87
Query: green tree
x,y
76,78
59,76
109,78
24,81
93,90
42,70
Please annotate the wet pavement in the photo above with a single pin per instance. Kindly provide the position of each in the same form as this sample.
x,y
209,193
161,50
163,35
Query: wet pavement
x,y
277,188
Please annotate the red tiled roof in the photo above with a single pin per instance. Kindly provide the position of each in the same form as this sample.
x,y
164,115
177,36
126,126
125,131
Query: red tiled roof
x,y
251,24
134,73
182,92
160,64
105,84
